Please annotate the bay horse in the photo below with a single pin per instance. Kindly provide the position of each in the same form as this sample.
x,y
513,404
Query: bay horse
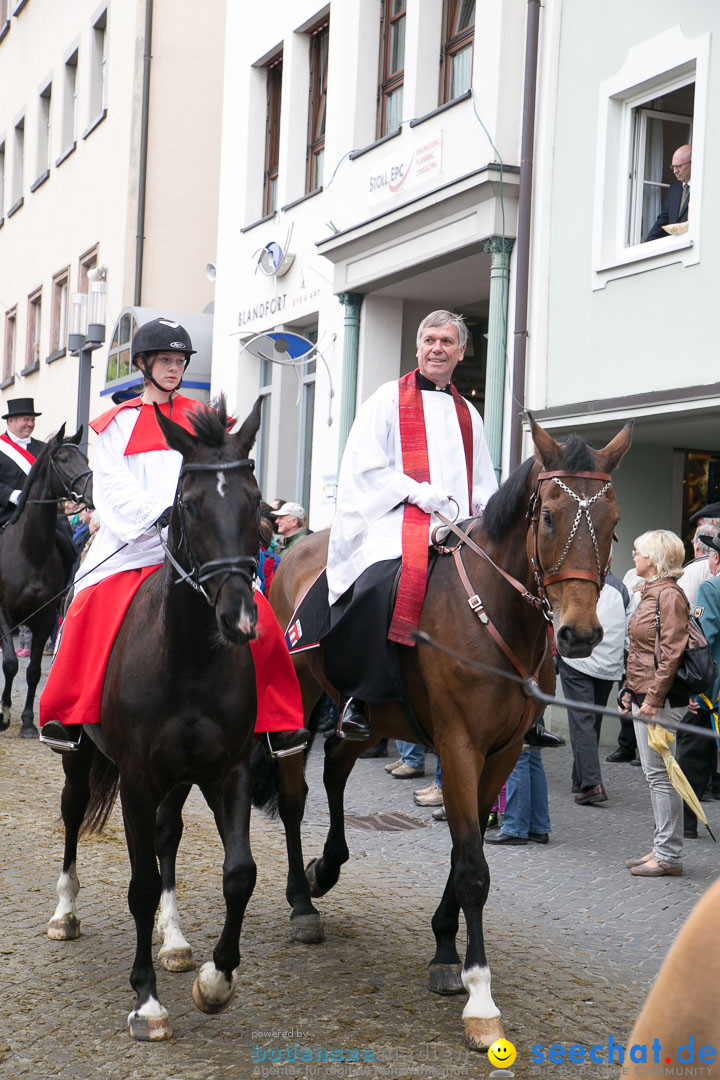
x,y
540,550
32,570
179,708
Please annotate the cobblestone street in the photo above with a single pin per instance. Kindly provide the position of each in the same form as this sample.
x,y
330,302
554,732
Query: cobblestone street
x,y
573,939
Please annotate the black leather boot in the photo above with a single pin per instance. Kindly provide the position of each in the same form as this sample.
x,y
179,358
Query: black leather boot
x,y
60,737
538,736
355,721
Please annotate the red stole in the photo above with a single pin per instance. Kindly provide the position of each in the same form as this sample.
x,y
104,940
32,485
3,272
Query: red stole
x,y
18,449
413,442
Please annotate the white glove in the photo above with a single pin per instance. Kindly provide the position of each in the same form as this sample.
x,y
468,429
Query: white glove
x,y
15,495
430,499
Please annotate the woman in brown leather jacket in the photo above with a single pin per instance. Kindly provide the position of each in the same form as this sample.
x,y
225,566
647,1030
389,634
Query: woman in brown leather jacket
x,y
652,663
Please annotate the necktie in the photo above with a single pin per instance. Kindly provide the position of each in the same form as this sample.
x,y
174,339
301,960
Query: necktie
x,y
684,199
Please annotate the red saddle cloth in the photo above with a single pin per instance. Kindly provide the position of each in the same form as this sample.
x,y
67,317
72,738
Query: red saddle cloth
x,y
73,691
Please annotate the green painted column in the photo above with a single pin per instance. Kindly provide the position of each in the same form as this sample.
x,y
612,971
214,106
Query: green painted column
x,y
348,392
499,248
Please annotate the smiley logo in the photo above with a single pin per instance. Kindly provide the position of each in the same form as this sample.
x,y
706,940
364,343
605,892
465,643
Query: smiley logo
x,y
502,1053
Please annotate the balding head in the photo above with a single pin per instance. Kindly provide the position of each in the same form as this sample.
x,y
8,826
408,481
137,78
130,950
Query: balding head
x,y
681,163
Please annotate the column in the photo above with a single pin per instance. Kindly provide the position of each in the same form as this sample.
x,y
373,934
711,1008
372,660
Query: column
x,y
348,393
499,249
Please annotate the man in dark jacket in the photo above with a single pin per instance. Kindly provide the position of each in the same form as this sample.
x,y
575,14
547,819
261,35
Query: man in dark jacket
x,y
18,451
678,199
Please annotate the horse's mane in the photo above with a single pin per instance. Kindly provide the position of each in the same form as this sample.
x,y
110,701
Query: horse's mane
x,y
210,422
511,498
29,479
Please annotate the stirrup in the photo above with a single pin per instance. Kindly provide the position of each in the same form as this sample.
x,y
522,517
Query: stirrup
x,y
275,754
60,746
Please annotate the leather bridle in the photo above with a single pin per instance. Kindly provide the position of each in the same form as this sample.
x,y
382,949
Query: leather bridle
x,y
244,566
69,484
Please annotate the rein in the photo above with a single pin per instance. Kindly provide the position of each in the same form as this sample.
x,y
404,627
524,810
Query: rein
x,y
244,566
68,483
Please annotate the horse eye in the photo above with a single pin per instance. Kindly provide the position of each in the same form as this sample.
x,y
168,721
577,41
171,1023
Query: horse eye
x,y
547,518
191,510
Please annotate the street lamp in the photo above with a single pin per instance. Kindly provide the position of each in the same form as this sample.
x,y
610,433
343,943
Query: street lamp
x,y
87,333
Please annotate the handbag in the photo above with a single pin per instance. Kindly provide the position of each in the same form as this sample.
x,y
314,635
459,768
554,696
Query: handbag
x,y
697,670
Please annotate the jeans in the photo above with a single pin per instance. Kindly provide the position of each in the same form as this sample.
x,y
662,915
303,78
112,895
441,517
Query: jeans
x,y
412,754
666,803
526,810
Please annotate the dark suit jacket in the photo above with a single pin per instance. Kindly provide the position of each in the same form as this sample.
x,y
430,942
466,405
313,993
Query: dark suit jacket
x,y
669,213
12,478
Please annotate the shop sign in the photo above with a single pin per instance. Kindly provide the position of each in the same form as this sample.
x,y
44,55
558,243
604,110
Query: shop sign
x,y
408,168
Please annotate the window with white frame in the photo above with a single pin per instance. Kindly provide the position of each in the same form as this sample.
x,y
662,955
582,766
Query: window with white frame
x,y
18,162
59,312
34,328
69,114
43,132
656,103
98,68
659,128
8,369
119,355
263,442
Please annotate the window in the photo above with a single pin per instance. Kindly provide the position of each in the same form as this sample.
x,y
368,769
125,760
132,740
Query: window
x,y
98,68
87,261
34,324
272,135
119,357
59,313
8,371
307,416
43,143
263,443
458,48
4,13
659,127
392,66
2,179
318,105
18,162
69,116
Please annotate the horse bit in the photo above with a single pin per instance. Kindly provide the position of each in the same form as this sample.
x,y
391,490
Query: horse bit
x,y
244,566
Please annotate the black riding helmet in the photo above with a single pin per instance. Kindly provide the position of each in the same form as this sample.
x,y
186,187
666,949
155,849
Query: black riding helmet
x,y
159,335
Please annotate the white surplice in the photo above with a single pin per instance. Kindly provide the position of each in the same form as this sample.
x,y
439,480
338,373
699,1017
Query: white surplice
x,y
130,493
372,486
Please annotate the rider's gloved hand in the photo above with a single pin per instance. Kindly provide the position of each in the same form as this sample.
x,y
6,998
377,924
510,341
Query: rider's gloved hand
x,y
430,499
164,520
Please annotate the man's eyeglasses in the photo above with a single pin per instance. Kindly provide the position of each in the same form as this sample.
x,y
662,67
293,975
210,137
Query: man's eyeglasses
x,y
681,165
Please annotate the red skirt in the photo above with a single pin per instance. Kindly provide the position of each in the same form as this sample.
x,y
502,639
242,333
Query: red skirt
x,y
73,691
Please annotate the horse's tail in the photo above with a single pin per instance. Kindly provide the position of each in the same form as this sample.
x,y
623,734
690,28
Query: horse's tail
x,y
265,786
104,784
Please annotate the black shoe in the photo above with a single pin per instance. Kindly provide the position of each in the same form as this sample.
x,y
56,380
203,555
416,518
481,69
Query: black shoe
x,y
283,743
59,737
539,837
355,721
620,755
538,735
505,838
636,761
381,750
690,834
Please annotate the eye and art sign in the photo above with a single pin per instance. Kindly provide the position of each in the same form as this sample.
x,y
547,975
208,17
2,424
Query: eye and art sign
x,y
408,168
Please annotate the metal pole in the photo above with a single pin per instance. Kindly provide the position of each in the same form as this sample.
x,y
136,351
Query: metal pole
x,y
499,248
142,167
348,397
83,398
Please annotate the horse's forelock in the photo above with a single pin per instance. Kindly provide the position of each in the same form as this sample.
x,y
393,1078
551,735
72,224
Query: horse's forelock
x,y
578,455
209,423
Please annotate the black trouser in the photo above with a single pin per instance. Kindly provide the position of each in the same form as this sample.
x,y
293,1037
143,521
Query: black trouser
x,y
584,726
696,756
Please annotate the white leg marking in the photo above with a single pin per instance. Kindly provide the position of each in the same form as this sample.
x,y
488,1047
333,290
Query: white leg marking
x,y
214,986
152,1009
480,1003
68,887
221,484
168,923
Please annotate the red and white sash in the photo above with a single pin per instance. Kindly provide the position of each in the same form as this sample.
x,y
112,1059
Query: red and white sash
x,y
415,528
18,454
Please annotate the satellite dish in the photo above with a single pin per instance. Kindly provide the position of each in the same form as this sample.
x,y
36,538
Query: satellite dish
x,y
210,272
280,348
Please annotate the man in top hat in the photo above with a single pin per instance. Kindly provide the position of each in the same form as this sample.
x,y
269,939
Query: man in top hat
x,y
18,451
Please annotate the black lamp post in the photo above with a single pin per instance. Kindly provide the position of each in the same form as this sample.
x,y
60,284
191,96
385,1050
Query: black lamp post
x,y
87,333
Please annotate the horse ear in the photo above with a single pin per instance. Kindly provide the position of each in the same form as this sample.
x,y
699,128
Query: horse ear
x,y
548,451
617,447
60,435
176,437
77,437
246,435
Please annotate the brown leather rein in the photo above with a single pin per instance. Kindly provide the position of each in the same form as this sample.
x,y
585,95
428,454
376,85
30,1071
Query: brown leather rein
x,y
540,601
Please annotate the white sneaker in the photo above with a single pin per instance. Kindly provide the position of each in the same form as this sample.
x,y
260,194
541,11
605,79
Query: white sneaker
x,y
433,796
425,790
407,772
392,765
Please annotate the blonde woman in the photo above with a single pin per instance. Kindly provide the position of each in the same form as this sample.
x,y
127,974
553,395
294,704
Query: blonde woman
x,y
653,660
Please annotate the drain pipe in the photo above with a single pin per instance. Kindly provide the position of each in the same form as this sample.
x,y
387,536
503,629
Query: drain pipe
x,y
142,177
522,264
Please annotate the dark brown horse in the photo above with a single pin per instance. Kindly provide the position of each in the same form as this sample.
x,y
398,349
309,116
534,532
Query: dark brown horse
x,y
33,572
547,533
178,708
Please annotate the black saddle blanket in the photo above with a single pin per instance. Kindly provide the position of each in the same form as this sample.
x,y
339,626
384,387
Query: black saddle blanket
x,y
311,618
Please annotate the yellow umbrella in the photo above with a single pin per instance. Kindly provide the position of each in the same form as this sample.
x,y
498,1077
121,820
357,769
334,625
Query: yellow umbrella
x,y
661,740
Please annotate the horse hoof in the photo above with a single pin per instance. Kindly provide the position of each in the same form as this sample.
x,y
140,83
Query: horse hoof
x,y
212,991
6,715
480,1034
307,928
316,889
28,731
446,979
65,929
149,1028
177,959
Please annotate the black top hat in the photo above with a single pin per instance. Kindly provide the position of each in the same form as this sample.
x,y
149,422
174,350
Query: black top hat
x,y
712,510
20,406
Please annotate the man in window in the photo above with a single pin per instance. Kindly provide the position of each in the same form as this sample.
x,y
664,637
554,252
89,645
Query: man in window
x,y
678,199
